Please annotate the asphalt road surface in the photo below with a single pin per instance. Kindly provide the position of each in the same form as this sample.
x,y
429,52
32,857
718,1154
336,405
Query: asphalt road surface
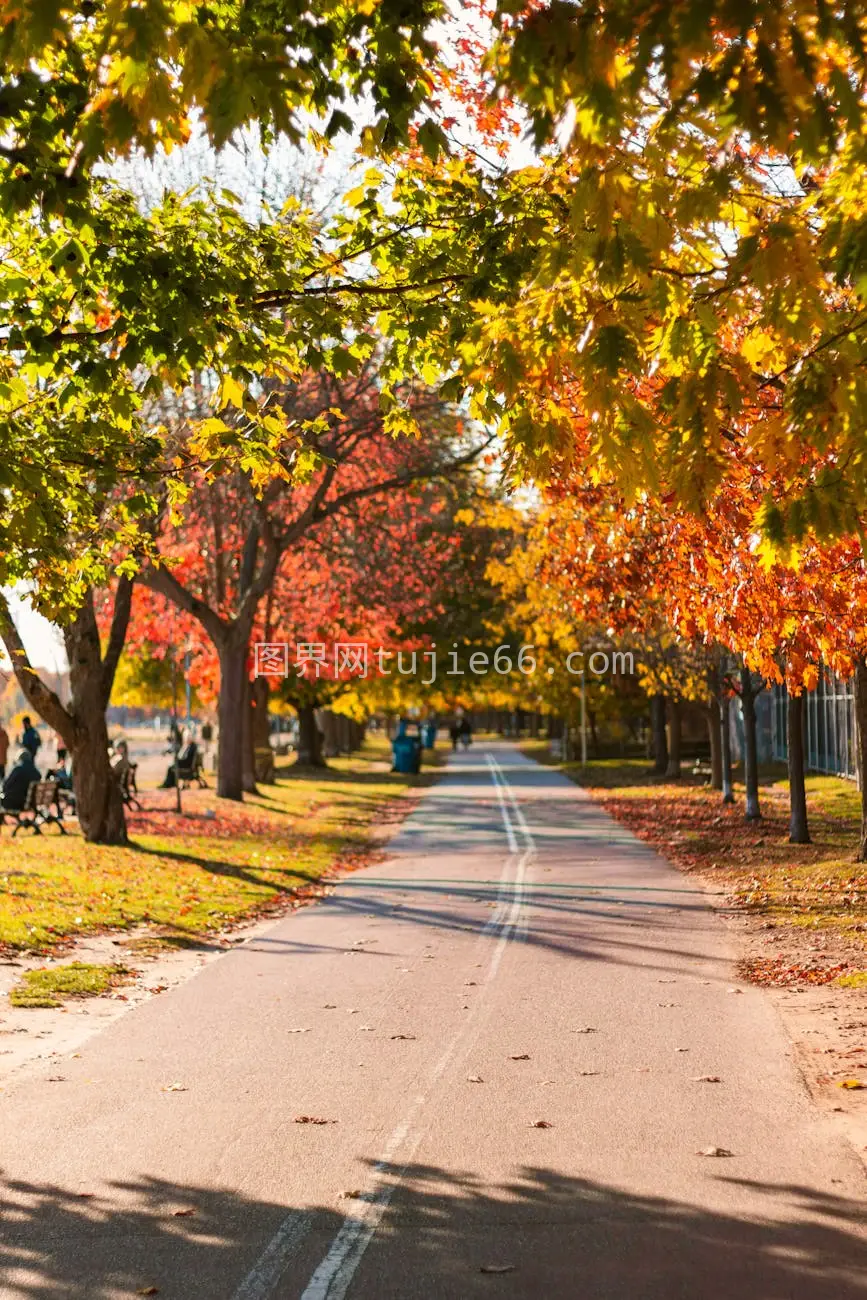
x,y
505,1027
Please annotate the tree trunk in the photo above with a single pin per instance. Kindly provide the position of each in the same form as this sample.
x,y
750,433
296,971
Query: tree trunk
x,y
309,738
861,719
344,733
675,728
260,731
751,749
657,725
728,789
248,740
799,830
82,725
98,799
231,707
714,735
330,734
260,694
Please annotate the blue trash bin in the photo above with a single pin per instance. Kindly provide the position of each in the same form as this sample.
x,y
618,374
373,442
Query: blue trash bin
x,y
406,752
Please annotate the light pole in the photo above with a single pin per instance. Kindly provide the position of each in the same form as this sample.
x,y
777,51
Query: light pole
x,y
583,719
187,688
176,737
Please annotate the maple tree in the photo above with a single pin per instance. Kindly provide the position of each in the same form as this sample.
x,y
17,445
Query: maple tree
x,y
608,566
391,575
711,581
538,612
218,551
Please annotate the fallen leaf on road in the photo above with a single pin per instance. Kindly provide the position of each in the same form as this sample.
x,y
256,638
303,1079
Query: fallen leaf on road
x,y
668,1004
541,1123
587,1029
330,1006
57,1078
681,1049
470,984
707,1078
405,1037
525,1057
176,1087
666,981
714,1151
852,1083
475,1078
148,1290
587,1073
734,990
305,1030
365,1029
183,1214
354,1195
497,1268
313,1119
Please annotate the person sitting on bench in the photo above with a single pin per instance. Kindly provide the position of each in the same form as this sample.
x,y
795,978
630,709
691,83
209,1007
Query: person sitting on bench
x,y
187,763
62,773
21,776
119,759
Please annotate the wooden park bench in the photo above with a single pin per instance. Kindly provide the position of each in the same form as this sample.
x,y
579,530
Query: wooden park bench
x,y
129,788
41,807
192,771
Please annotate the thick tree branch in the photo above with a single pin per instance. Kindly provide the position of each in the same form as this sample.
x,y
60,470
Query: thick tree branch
x,y
40,697
279,297
426,475
117,634
164,582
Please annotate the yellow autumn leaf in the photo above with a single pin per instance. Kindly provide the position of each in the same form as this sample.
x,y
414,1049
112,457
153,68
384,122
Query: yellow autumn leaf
x,y
231,392
810,677
761,350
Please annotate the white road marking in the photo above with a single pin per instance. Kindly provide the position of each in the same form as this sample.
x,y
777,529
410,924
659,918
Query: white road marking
x,y
333,1276
520,922
496,777
271,1265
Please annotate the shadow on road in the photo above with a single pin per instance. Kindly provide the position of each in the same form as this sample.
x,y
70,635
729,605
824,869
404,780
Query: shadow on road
x,y
555,1236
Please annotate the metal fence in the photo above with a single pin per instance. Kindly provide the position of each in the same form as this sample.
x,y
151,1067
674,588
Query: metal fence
x,y
831,732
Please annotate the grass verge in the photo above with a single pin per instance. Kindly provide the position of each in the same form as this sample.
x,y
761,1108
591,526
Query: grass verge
x,y
48,987
191,874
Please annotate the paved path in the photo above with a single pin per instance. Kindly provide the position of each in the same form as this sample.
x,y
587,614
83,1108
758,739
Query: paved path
x,y
519,958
